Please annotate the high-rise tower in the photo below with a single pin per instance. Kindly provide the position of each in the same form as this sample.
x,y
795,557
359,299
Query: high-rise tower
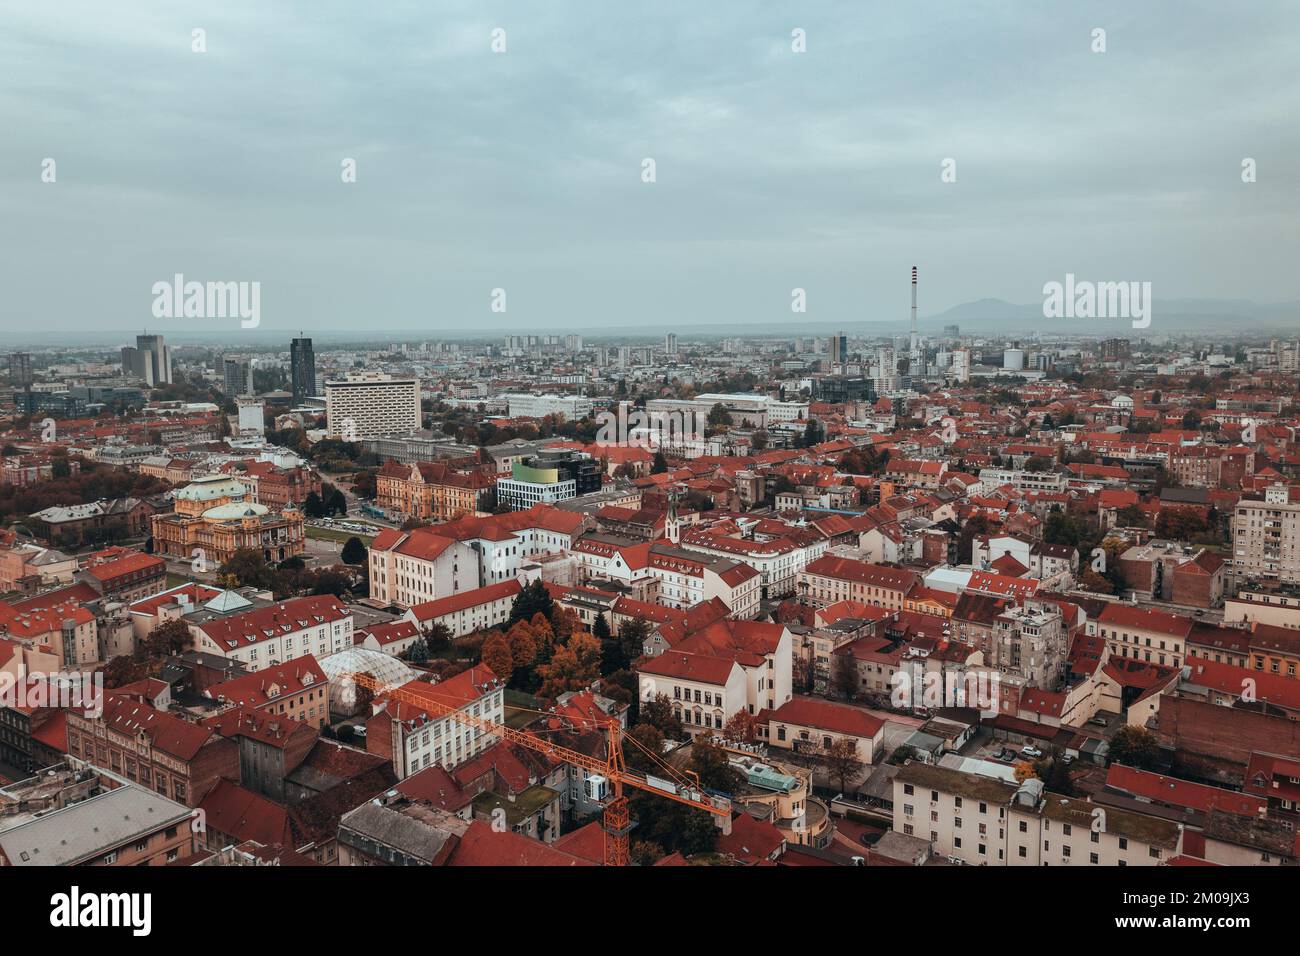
x,y
302,369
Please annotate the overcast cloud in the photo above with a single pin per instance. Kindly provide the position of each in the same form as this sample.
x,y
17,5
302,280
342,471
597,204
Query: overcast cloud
x,y
522,170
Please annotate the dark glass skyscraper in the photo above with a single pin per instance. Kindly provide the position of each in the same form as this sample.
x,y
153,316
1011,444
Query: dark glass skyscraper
x,y
302,361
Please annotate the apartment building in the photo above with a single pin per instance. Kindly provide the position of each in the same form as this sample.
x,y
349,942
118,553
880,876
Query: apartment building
x,y
262,636
365,405
178,759
1143,634
671,576
1266,538
414,567
985,821
1030,640
720,670
415,737
297,689
1023,480
468,611
777,559
831,579
78,815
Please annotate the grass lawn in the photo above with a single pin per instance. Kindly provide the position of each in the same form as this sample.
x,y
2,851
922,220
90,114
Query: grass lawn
x,y
519,708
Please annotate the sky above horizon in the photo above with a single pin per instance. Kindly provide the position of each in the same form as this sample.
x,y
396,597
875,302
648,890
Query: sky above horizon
x,y
522,170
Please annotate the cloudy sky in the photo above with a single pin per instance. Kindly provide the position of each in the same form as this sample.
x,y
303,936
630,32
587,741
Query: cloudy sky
x,y
522,170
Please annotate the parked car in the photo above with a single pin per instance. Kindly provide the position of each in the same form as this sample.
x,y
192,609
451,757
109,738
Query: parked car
x,y
1029,750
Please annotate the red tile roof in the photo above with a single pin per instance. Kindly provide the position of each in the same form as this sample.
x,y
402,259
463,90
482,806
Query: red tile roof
x,y
276,620
429,610
482,846
824,715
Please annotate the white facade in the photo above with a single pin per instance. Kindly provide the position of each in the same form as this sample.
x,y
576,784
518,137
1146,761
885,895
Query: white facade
x,y
371,405
572,407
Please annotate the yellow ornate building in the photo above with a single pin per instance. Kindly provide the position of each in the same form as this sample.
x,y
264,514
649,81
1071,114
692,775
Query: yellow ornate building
x,y
213,520
430,490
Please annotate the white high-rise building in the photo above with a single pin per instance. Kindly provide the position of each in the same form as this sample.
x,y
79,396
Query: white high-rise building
x,y
252,418
670,345
371,405
961,365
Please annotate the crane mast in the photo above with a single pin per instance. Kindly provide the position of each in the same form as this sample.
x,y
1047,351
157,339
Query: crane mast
x,y
616,816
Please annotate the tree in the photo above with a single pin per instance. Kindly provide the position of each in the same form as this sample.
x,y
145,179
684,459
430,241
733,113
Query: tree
x,y
354,551
1055,774
524,640
844,675
313,507
802,675
1131,516
531,599
713,766
629,645
1023,770
336,503
124,670
976,525
742,727
1135,747
611,649
659,713
573,666
841,761
170,637
639,743
437,637
418,652
659,465
248,568
1090,580
497,656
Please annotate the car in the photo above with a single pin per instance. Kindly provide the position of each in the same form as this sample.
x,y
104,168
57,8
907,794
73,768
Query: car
x,y
1098,721
1029,750
1006,753
1067,758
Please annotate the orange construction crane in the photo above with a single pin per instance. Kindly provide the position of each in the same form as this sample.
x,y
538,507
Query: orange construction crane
x,y
617,824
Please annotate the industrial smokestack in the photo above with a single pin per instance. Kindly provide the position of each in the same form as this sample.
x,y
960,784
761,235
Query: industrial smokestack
x,y
913,300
